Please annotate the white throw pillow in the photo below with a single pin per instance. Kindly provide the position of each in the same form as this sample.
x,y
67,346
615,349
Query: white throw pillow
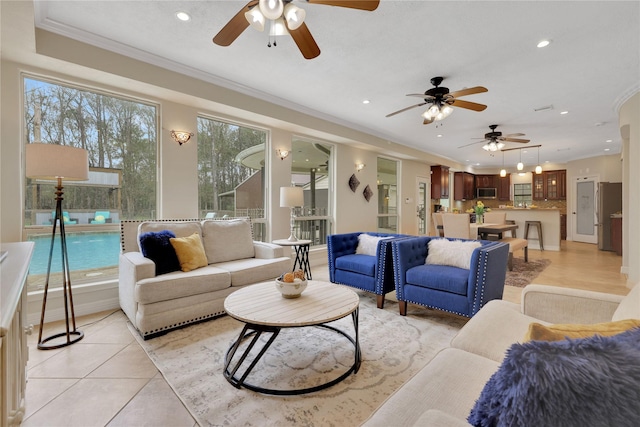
x,y
456,253
368,244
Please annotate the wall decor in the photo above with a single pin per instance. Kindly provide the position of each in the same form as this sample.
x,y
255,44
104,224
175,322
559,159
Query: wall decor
x,y
367,193
353,182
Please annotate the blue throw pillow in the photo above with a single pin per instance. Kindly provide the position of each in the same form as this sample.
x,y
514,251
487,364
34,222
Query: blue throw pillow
x,y
157,247
591,381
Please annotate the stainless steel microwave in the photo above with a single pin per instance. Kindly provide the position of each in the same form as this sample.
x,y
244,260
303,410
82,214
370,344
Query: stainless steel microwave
x,y
487,193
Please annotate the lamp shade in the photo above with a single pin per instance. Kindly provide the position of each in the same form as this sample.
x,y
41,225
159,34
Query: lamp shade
x,y
53,162
291,197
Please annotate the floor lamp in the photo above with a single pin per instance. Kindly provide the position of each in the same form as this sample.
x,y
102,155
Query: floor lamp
x,y
59,163
291,197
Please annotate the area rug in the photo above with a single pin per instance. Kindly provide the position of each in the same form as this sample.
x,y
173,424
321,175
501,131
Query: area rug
x,y
524,272
394,348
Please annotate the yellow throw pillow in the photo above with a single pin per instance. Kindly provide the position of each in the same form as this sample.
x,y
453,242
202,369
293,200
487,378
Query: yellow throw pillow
x,y
190,252
538,332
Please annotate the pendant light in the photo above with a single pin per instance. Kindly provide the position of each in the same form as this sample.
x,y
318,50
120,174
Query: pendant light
x,y
538,168
520,165
503,171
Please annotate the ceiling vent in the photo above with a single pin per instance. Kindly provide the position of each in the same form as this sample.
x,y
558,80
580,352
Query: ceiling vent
x,y
545,108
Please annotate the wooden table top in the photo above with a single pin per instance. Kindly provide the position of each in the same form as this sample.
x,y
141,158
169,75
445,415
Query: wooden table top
x,y
262,304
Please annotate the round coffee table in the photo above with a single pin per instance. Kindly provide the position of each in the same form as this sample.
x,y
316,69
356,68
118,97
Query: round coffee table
x,y
263,310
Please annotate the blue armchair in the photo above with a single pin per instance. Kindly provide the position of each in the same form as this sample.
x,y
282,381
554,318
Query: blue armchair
x,y
366,272
443,287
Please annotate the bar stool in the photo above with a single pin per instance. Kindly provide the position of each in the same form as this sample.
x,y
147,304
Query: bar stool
x,y
538,225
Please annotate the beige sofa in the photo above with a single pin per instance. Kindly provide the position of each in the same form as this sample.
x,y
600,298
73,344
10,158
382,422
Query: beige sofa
x,y
446,389
157,304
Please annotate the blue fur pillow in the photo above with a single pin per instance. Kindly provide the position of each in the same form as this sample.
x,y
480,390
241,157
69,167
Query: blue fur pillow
x,y
591,381
157,247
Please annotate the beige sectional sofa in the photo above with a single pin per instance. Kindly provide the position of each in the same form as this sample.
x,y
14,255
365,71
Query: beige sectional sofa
x,y
446,389
156,304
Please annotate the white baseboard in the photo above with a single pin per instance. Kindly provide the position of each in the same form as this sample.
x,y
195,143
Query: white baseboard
x,y
87,299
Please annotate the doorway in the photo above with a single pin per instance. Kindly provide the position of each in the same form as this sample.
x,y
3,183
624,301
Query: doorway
x,y
423,205
584,210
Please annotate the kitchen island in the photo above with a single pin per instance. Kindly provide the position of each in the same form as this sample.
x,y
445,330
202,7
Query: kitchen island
x,y
550,219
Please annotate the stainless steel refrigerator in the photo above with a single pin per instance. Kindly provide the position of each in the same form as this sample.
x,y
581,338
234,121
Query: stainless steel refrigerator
x,y
609,199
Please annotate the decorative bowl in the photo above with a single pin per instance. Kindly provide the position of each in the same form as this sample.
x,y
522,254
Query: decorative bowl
x,y
291,289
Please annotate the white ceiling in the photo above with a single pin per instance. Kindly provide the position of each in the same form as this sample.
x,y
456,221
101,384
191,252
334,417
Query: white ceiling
x,y
592,64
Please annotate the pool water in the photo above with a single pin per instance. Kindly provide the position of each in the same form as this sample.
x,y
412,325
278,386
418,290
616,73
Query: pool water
x,y
85,251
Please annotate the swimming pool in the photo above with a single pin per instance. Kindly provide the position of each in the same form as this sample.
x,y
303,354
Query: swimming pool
x,y
85,250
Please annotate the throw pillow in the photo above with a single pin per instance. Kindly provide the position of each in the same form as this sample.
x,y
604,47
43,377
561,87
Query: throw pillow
x,y
157,247
584,382
368,244
227,240
456,253
190,252
563,331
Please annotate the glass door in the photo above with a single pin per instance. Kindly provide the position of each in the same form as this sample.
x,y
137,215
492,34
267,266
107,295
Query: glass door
x,y
584,211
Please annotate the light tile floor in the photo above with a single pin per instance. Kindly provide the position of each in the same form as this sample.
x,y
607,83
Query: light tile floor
x,y
106,379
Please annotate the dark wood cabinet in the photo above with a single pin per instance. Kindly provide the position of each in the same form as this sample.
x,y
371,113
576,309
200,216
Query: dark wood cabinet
x,y
504,187
463,186
550,185
486,181
439,182
563,227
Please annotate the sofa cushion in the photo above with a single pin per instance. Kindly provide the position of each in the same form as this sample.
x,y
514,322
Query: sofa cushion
x,y
493,330
561,331
629,308
253,270
227,240
456,253
157,247
361,264
180,284
589,381
368,244
440,277
190,252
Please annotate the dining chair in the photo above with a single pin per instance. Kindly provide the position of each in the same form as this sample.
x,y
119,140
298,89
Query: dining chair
x,y
437,224
496,218
457,226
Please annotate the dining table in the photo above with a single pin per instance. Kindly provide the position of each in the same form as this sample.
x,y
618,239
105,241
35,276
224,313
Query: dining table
x,y
486,230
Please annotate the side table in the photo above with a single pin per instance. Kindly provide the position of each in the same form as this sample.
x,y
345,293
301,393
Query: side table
x,y
302,254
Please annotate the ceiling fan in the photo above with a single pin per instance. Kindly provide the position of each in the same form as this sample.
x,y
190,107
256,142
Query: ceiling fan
x,y
442,101
284,17
495,140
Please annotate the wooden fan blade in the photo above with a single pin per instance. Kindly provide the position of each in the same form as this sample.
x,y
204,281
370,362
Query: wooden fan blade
x,y
473,143
469,105
524,141
351,4
405,109
468,91
421,95
512,135
234,27
427,121
303,38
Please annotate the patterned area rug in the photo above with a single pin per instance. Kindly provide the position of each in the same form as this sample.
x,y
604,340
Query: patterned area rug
x,y
393,347
524,272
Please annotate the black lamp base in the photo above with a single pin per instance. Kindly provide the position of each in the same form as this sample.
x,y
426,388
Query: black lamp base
x,y
78,335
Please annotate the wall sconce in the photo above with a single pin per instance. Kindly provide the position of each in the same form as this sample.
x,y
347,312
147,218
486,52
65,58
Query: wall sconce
x,y
180,136
283,154
360,166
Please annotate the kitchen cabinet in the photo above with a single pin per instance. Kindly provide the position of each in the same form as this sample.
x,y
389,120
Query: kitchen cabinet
x,y
550,185
563,227
439,182
504,188
464,186
486,181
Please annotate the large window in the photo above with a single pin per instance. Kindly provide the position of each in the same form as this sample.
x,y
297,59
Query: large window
x,y
231,167
310,170
120,136
387,195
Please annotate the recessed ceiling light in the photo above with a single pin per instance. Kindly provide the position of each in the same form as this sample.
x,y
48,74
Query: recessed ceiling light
x,y
609,140
366,101
607,149
439,135
544,43
183,16
564,112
